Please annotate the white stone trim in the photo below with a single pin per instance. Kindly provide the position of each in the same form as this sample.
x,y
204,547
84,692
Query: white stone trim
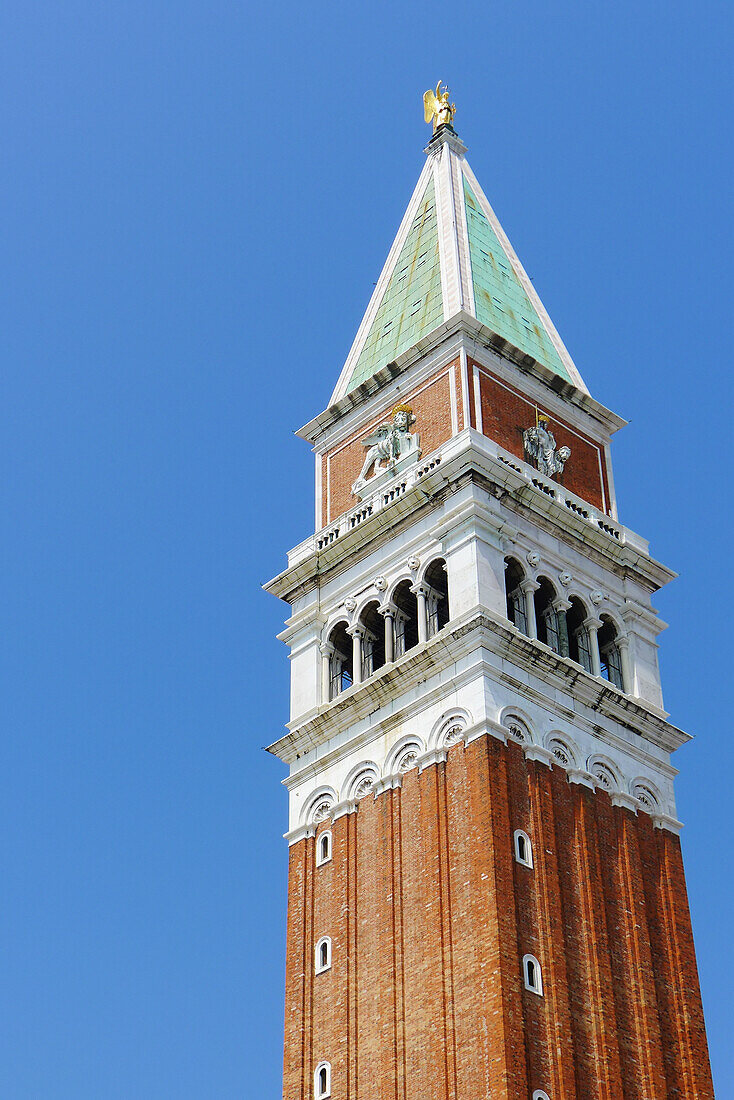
x,y
537,985
319,967
537,752
626,801
319,1093
582,778
527,860
664,821
321,839
433,756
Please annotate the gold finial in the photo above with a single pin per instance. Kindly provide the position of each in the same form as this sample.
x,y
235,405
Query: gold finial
x,y
436,107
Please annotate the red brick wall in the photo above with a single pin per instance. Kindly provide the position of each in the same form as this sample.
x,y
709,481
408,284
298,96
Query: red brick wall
x,y
431,403
506,413
430,916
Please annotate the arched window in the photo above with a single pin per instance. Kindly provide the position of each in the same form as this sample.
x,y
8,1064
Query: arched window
x,y
323,955
340,661
516,611
610,654
531,974
523,848
322,1081
406,619
551,624
579,642
323,848
540,1095
437,582
373,643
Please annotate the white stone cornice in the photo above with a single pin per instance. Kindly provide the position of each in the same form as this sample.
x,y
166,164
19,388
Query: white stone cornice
x,y
300,833
664,821
537,752
390,782
619,798
433,756
348,806
582,778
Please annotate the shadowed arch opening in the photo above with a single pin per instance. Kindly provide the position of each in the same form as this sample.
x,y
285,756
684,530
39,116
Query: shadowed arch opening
x,y
516,611
436,578
340,660
551,624
373,643
406,619
579,643
610,655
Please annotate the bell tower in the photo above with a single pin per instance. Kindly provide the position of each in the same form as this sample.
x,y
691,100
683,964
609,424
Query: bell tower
x,y
486,894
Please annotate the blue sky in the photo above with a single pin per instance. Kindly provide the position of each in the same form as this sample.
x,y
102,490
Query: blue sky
x,y
196,199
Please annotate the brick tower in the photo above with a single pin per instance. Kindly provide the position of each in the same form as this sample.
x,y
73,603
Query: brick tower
x,y
486,894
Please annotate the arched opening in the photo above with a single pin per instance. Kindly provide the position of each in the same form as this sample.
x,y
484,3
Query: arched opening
x,y
406,618
437,581
551,624
323,848
523,849
579,642
322,1081
340,661
532,975
516,612
373,643
610,655
323,954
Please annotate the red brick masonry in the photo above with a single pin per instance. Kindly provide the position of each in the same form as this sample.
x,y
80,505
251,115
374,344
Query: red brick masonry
x,y
430,915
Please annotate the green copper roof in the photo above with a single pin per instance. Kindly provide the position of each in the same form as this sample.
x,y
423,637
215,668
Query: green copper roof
x,y
412,305
501,302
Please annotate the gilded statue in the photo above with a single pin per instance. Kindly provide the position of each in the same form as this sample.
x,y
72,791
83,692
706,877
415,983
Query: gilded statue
x,y
436,107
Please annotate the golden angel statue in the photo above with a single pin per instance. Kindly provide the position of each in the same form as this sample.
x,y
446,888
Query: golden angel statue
x,y
436,107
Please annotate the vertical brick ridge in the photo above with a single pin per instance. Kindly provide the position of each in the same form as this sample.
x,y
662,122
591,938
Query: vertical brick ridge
x,y
447,951
468,878
333,987
687,1015
593,1018
559,1060
398,943
307,955
294,1060
640,1042
491,785
431,919
350,855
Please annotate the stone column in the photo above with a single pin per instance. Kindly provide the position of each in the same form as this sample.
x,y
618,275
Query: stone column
x,y
592,627
357,633
421,594
529,588
561,606
388,612
327,652
623,646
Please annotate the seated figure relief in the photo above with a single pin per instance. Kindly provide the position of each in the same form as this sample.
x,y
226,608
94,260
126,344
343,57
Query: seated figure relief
x,y
387,445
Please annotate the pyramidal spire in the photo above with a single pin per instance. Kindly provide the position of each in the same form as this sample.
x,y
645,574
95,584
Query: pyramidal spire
x,y
450,256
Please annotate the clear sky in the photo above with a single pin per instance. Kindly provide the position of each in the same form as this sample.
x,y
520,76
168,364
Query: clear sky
x,y
196,199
